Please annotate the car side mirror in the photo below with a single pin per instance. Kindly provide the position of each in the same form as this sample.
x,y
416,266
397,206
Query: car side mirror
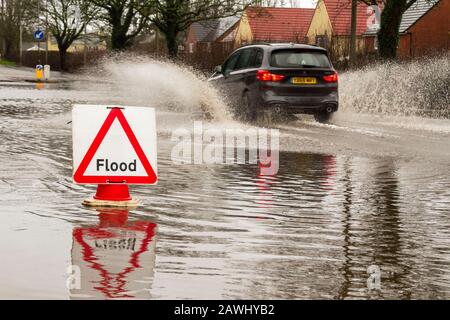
x,y
218,69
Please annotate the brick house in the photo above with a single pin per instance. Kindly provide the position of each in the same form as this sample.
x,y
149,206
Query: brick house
x,y
425,29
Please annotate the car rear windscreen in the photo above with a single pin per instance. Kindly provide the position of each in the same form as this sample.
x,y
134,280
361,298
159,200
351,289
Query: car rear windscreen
x,y
299,59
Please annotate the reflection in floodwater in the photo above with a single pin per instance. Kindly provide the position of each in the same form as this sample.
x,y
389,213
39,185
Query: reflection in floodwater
x,y
115,258
266,175
361,192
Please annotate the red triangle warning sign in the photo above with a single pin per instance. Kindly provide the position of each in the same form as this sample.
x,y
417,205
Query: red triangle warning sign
x,y
104,169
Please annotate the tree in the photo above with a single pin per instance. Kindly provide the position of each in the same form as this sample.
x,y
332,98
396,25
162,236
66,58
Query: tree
x,y
272,3
174,16
353,33
13,13
391,17
126,19
66,21
388,35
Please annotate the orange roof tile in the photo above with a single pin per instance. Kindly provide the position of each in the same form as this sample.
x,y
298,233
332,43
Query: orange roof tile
x,y
279,24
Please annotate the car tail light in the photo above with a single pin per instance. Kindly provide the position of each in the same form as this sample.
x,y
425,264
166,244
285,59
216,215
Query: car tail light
x,y
331,77
264,75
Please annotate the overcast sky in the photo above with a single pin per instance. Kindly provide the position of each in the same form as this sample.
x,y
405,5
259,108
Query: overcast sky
x,y
306,3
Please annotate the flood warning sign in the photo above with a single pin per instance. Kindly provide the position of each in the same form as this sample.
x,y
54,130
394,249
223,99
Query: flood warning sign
x,y
114,144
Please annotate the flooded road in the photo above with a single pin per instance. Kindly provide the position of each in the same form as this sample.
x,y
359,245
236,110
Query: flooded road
x,y
366,192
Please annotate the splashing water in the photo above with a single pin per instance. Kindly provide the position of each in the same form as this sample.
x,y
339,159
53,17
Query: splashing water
x,y
164,85
416,88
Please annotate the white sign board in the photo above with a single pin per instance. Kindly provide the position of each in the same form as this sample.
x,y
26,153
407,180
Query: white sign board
x,y
114,144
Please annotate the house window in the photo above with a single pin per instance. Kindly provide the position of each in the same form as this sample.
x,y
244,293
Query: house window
x,y
191,47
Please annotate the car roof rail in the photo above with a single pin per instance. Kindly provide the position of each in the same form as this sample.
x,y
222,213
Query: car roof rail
x,y
280,44
255,44
263,43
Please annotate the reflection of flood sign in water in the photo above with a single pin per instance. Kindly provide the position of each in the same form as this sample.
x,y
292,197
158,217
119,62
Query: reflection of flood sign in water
x,y
114,144
115,262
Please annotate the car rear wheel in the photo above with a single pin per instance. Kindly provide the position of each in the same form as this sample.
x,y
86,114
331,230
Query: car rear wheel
x,y
323,117
260,117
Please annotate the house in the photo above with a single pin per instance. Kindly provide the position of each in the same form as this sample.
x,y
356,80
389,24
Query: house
x,y
34,47
92,40
331,25
207,32
425,28
260,24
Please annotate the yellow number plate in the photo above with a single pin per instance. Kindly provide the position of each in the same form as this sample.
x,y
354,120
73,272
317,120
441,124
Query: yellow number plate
x,y
304,80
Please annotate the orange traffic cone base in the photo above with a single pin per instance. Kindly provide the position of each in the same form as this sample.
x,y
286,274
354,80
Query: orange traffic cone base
x,y
112,195
133,203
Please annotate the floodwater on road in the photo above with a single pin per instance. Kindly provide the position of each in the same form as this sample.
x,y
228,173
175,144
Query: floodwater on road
x,y
366,192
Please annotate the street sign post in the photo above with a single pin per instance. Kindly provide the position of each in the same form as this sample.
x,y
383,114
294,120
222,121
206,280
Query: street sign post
x,y
39,35
113,146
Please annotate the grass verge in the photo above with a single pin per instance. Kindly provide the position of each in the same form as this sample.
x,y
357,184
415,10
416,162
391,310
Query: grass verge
x,y
7,63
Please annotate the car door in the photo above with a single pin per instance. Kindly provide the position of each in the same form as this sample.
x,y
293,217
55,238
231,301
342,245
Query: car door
x,y
227,69
239,74
249,82
245,71
226,80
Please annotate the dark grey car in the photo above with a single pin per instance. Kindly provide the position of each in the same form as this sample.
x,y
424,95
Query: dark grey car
x,y
288,78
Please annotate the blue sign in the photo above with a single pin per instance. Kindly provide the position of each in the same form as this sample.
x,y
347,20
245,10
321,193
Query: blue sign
x,y
39,35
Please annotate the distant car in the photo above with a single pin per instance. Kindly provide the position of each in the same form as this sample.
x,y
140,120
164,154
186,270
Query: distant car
x,y
281,77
